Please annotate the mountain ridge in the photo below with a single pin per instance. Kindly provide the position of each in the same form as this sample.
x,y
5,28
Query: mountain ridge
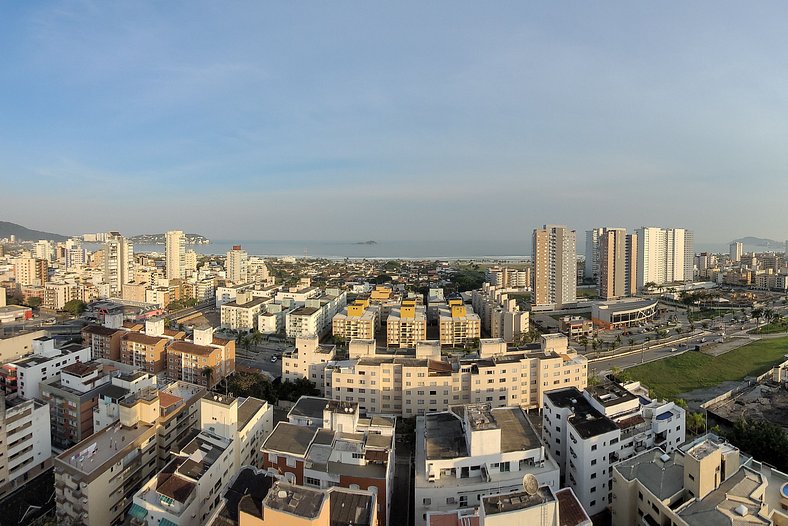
x,y
8,229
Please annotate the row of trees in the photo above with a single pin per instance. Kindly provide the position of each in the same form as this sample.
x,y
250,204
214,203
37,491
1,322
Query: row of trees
x,y
259,386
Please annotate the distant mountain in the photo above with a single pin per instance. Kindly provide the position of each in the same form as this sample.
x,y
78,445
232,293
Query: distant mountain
x,y
759,242
25,234
158,239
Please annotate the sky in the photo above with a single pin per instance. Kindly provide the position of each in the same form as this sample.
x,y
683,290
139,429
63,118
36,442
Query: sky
x,y
394,121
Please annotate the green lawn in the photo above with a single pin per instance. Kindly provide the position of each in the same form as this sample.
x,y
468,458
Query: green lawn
x,y
771,328
692,370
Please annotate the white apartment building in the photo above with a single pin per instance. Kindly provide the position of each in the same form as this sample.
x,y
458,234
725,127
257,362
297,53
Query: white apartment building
x,y
736,251
107,410
242,313
665,255
118,263
587,432
316,315
409,385
531,505
188,489
509,278
46,362
237,265
25,443
298,295
473,451
175,254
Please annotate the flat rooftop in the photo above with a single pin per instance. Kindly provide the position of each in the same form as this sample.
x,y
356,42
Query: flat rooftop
x,y
290,438
663,478
444,436
248,408
610,394
519,500
296,500
586,420
99,448
313,407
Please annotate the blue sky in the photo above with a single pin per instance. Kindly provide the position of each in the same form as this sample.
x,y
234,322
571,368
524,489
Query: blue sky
x,y
403,120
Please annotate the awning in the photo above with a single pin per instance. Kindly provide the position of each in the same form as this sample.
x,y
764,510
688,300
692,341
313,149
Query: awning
x,y
138,512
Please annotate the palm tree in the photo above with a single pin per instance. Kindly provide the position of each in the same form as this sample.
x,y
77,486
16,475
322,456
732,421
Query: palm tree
x,y
207,372
583,340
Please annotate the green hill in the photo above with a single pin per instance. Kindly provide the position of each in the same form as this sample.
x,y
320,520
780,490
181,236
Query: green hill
x,y
25,234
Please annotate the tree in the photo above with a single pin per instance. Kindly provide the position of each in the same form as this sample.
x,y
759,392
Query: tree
x,y
757,313
763,440
292,391
681,403
207,372
33,301
696,423
75,307
583,340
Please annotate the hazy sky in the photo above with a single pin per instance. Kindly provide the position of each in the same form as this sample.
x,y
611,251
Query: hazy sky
x,y
394,121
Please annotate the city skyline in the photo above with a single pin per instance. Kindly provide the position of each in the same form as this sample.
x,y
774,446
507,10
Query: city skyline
x,y
628,115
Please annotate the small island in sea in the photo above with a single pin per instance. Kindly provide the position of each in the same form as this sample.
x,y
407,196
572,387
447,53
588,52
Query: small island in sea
x,y
365,243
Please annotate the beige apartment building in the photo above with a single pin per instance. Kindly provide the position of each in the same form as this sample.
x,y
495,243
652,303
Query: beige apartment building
x,y
188,361
358,320
703,483
31,271
416,385
618,257
96,479
459,325
406,325
308,360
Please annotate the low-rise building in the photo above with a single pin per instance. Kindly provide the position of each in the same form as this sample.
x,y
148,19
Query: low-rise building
x,y
586,432
188,489
358,320
703,483
241,314
576,326
406,325
530,505
45,363
107,410
459,325
96,479
623,313
308,360
104,342
409,385
192,361
327,444
473,451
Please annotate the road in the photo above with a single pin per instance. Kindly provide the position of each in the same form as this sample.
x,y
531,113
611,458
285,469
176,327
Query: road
x,y
260,359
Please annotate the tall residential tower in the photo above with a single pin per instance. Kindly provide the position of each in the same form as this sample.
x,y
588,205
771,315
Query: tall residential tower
x,y
175,254
554,276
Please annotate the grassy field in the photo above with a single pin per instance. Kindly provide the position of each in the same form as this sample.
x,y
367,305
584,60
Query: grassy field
x,y
692,370
772,328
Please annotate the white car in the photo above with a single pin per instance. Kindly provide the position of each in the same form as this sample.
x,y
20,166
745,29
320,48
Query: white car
x,y
273,359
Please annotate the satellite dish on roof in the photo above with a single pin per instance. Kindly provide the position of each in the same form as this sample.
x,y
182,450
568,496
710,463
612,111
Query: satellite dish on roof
x,y
282,494
530,484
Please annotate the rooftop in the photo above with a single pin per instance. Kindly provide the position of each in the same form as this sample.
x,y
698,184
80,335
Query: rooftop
x,y
138,337
663,478
248,408
519,500
444,436
587,421
246,492
610,394
107,444
350,508
191,348
570,511
296,500
721,506
290,438
99,330
313,407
